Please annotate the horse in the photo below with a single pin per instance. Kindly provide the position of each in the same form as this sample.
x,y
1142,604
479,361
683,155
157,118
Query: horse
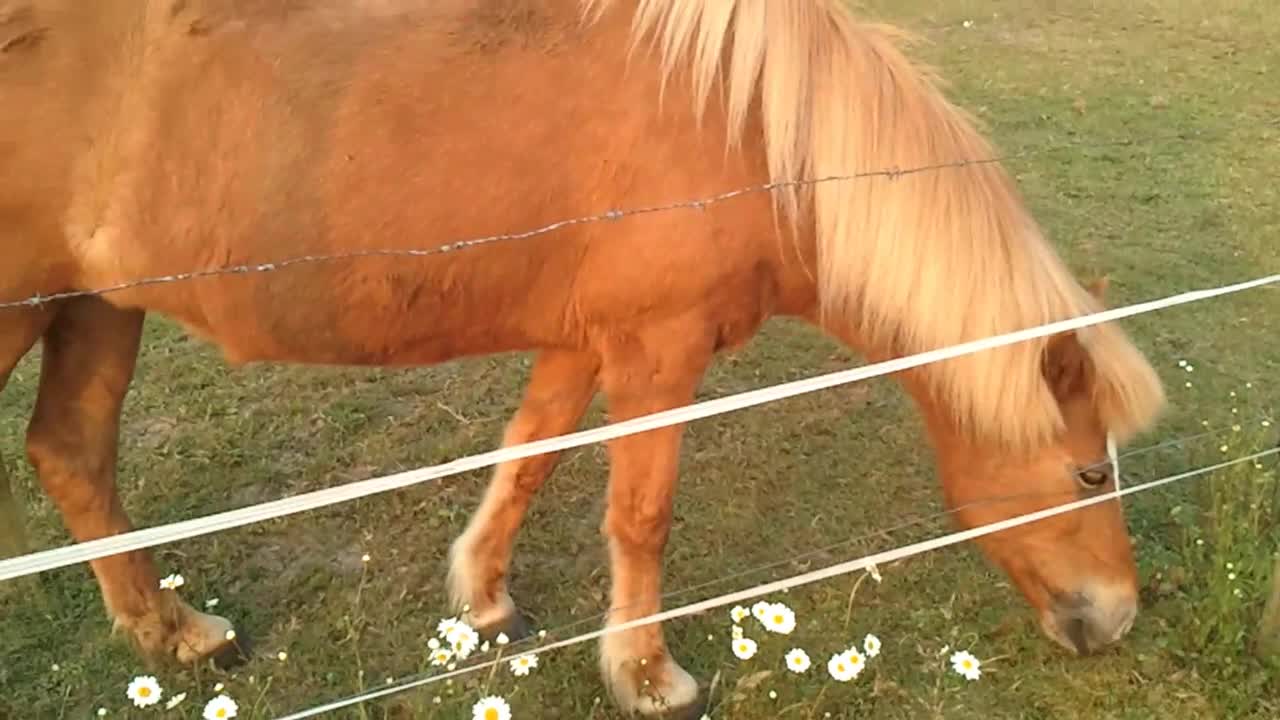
x,y
174,136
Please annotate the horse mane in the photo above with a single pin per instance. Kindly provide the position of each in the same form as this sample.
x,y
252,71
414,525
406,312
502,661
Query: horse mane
x,y
917,261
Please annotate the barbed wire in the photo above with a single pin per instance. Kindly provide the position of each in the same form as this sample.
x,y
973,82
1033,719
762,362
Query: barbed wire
x,y
606,216
844,568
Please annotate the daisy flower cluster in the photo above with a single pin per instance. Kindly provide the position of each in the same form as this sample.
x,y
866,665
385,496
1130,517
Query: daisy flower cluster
x,y
843,666
145,691
777,618
459,641
456,640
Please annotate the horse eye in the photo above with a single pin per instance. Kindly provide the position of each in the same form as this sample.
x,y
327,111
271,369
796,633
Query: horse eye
x,y
1093,477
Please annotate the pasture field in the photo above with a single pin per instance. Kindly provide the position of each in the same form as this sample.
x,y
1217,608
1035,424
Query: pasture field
x,y
771,486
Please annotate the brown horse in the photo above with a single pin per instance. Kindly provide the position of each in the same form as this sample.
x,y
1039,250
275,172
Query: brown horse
x,y
150,137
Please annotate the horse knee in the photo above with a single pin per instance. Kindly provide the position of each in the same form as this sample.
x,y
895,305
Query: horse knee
x,y
638,526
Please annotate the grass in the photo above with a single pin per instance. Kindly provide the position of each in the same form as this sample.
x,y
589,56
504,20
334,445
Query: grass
x,y
1158,216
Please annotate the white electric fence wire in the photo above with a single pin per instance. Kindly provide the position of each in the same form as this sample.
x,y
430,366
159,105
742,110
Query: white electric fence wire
x,y
139,539
741,596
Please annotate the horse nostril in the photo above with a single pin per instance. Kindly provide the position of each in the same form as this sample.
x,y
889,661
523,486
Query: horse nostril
x,y
1076,633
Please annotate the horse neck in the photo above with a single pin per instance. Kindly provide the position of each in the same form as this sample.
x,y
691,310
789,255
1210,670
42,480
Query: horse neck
x,y
951,447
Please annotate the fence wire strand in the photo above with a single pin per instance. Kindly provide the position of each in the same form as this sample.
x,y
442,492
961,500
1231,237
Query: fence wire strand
x,y
45,560
139,539
880,532
844,568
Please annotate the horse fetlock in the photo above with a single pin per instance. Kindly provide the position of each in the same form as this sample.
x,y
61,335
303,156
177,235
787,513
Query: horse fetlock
x,y
650,684
479,595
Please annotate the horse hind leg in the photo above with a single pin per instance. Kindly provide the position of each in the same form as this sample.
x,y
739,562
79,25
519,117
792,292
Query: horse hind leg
x,y
560,388
89,355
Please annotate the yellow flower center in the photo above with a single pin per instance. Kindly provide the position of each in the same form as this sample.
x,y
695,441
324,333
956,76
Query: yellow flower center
x,y
144,691
967,664
491,714
840,667
221,712
777,619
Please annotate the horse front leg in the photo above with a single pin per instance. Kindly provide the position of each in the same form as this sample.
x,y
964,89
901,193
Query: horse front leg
x,y
560,388
645,375
89,355
19,330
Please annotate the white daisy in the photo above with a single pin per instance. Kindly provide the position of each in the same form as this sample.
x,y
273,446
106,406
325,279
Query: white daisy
x,y
797,660
858,660
218,688
174,701
172,582
463,640
739,613
966,664
780,619
760,609
744,648
220,708
144,690
211,603
441,656
433,644
502,639
523,664
737,632
841,667
445,625
871,644
491,708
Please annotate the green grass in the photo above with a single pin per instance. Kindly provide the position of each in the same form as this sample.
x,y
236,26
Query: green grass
x,y
1158,216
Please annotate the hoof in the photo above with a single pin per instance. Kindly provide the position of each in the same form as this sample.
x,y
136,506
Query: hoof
x,y
234,653
204,637
514,625
690,711
662,689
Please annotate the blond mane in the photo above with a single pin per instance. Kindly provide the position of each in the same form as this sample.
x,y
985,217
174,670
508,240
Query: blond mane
x,y
919,261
